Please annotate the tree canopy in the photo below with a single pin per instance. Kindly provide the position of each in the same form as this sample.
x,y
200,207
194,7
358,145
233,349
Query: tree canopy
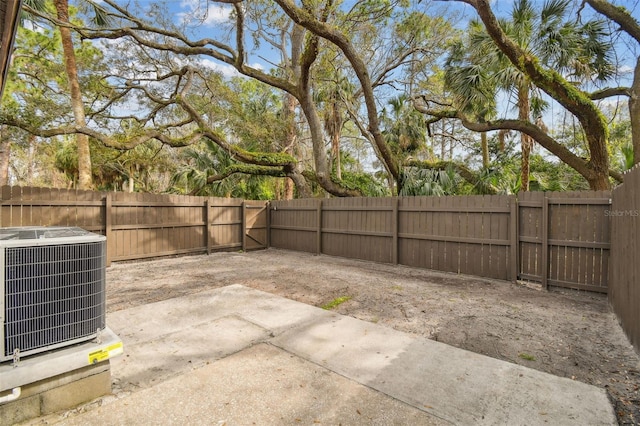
x,y
284,98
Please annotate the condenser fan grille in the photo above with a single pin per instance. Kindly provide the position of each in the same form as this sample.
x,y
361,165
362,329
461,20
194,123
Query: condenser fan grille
x,y
54,294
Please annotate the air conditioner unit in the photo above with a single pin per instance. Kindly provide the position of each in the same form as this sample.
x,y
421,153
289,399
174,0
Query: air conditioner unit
x,y
52,288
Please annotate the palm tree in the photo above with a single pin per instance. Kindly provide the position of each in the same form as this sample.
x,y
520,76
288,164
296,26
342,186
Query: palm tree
x,y
71,68
331,97
578,51
200,162
405,128
203,161
473,90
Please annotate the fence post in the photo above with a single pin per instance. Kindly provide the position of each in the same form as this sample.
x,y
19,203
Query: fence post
x,y
514,237
107,227
319,227
244,225
268,219
395,223
207,225
545,243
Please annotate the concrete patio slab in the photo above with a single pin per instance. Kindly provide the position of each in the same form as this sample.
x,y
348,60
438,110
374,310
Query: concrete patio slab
x,y
261,385
240,356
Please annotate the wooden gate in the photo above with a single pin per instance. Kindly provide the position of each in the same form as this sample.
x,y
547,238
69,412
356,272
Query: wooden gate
x,y
564,239
255,216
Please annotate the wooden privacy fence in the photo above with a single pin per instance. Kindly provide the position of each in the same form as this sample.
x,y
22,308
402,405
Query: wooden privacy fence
x,y
559,239
624,274
141,225
468,235
585,240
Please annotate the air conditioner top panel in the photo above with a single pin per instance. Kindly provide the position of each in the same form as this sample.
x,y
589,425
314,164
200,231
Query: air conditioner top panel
x,y
36,235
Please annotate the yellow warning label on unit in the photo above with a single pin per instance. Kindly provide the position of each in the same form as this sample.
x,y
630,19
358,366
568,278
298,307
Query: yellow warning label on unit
x,y
105,353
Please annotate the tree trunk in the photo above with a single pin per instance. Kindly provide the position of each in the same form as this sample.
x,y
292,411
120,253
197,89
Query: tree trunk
x,y
333,126
308,106
485,150
335,149
323,173
443,146
82,141
289,107
31,161
525,140
599,161
290,104
5,154
343,42
288,189
634,113
502,136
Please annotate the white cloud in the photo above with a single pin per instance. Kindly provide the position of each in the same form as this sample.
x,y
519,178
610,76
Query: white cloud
x,y
204,12
227,71
625,69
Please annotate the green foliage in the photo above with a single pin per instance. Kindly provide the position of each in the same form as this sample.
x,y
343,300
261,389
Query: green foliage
x,y
477,69
366,183
419,181
32,162
620,147
405,129
554,176
336,302
254,119
37,94
561,49
545,174
207,159
526,356
254,116
627,155
66,160
148,166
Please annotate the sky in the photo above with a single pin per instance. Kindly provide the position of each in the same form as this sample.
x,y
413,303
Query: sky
x,y
207,18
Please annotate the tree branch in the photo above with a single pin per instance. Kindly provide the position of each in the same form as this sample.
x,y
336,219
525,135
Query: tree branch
x,y
247,169
112,142
565,155
609,92
326,31
619,15
182,45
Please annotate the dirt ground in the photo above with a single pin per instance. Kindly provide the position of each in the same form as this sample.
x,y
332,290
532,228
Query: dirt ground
x,y
566,333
